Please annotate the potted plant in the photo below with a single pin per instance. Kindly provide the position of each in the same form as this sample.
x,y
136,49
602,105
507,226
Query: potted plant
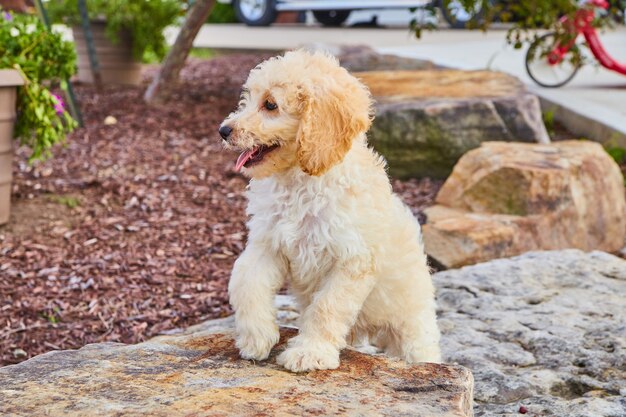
x,y
32,59
125,32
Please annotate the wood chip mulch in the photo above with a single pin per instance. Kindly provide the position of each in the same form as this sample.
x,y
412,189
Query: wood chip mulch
x,y
131,230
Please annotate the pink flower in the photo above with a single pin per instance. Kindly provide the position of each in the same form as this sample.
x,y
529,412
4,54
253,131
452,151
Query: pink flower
x,y
59,106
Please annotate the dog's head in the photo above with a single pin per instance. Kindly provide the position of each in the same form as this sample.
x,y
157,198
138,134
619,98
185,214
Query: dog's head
x,y
300,109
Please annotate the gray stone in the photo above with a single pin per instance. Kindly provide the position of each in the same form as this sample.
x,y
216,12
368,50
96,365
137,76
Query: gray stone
x,y
545,330
357,58
426,120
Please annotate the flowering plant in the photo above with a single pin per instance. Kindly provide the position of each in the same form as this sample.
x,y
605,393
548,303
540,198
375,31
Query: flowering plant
x,y
43,59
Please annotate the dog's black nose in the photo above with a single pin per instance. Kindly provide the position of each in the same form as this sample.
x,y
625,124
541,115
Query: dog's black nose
x,y
225,131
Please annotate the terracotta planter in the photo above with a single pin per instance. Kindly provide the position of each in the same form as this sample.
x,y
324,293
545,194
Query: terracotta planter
x,y
9,81
116,61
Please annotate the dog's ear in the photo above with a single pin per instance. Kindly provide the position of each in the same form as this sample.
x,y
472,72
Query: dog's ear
x,y
332,116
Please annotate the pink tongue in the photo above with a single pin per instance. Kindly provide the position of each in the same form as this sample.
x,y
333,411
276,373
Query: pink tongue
x,y
243,158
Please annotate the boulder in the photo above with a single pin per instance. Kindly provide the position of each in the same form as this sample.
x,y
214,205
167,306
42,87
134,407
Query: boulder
x,y
426,120
544,331
357,58
200,373
504,199
363,58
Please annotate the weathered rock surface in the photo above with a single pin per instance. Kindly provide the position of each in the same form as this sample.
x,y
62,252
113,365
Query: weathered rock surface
x,y
545,330
505,199
426,120
200,374
363,58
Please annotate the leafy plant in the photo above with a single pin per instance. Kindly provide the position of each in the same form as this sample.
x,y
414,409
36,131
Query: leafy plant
x,y
145,20
527,16
222,13
616,152
548,121
43,59
202,53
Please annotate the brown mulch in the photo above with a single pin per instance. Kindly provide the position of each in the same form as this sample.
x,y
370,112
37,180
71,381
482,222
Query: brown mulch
x,y
132,228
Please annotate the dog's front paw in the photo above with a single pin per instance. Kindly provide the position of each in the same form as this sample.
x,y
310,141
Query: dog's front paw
x,y
307,358
256,344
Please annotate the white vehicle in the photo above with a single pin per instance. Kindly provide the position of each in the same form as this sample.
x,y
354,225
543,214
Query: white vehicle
x,y
335,12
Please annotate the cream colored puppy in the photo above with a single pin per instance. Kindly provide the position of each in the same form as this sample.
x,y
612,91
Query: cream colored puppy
x,y
323,218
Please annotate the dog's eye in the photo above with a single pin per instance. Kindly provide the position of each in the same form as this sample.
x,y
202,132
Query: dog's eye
x,y
269,105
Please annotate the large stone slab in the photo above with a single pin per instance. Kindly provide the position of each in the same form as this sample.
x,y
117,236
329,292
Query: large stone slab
x,y
357,58
505,199
544,331
426,120
200,374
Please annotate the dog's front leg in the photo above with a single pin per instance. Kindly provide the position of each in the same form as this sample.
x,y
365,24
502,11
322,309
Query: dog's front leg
x,y
257,275
325,323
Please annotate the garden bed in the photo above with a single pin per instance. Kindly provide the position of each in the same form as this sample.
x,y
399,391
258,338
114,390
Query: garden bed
x,y
131,230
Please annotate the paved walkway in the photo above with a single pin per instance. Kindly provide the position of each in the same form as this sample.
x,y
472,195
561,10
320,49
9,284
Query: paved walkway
x,y
593,105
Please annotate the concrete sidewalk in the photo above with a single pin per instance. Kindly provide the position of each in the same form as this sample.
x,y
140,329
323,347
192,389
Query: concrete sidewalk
x,y
279,37
593,105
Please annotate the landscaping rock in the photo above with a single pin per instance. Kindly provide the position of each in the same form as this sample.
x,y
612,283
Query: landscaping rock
x,y
363,58
426,120
357,58
505,199
544,331
201,374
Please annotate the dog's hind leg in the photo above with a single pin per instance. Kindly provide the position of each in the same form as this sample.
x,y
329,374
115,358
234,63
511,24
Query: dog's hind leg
x,y
359,338
415,337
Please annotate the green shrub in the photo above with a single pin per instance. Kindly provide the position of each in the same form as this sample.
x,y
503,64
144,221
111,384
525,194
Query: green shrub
x,y
222,13
144,19
527,16
43,59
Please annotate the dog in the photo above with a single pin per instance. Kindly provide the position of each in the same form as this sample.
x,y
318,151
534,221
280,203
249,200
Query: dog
x,y
324,219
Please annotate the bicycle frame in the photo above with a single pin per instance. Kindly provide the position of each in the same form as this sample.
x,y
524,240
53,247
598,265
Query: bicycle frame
x,y
582,23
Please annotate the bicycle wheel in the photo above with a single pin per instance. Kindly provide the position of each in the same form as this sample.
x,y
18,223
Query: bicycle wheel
x,y
458,17
544,73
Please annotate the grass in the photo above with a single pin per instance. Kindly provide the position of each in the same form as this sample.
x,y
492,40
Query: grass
x,y
68,201
200,53
548,121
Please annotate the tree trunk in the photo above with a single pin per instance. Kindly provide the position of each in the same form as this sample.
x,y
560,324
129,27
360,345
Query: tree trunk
x,y
159,89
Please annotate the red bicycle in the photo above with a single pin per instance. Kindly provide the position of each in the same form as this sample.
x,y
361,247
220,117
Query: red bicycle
x,y
552,61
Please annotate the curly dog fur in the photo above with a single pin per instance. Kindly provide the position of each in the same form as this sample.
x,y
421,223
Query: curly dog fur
x,y
324,219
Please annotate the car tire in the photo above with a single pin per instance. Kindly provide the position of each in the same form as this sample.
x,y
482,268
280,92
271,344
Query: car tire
x,y
255,12
460,21
331,18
